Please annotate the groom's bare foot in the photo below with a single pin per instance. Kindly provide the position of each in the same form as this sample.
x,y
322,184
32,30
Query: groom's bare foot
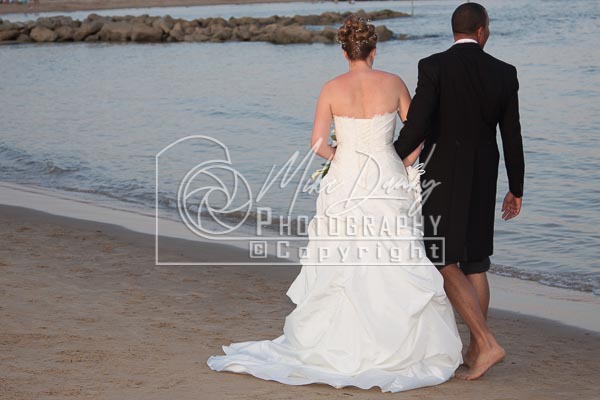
x,y
483,361
470,355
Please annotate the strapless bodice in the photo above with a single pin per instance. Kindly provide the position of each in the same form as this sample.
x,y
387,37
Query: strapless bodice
x,y
365,134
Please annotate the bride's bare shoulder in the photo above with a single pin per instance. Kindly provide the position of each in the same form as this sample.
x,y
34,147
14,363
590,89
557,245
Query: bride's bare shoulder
x,y
342,81
335,85
390,77
338,79
329,88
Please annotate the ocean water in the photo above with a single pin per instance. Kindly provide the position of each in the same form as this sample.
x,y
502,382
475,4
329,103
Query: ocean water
x,y
88,119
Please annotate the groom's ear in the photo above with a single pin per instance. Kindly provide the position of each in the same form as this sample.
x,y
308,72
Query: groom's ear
x,y
482,35
480,31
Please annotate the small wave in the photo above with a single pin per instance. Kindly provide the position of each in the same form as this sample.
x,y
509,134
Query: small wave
x,y
121,194
580,282
51,168
589,69
17,160
421,37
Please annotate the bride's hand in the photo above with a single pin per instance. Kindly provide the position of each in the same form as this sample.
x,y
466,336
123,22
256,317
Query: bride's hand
x,y
412,157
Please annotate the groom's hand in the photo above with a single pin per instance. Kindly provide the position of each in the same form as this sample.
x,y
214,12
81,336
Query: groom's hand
x,y
511,207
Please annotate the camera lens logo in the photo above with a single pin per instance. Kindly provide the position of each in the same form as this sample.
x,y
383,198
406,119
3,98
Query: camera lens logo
x,y
214,198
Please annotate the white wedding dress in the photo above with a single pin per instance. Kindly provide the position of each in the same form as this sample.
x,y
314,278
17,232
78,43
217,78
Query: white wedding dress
x,y
370,318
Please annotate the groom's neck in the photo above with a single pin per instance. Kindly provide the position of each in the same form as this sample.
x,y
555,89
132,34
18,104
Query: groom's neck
x,y
459,36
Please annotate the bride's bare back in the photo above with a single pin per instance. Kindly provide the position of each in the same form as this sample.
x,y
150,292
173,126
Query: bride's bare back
x,y
360,93
366,93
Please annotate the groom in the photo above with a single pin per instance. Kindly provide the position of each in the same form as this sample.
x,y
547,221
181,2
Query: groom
x,y
462,95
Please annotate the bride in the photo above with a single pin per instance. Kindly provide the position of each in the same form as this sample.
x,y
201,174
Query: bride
x,y
370,307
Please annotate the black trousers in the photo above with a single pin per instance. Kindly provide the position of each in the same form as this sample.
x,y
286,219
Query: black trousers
x,y
470,267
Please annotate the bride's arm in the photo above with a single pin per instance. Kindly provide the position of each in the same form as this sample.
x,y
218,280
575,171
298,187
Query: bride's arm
x,y
321,126
412,157
403,105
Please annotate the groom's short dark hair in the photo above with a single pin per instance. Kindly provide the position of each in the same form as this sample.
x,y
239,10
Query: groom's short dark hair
x,y
468,17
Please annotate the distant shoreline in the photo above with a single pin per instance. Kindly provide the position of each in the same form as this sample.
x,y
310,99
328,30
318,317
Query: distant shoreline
x,y
82,5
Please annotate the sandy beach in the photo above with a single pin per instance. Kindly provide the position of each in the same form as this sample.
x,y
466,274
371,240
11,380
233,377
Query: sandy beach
x,y
79,5
87,314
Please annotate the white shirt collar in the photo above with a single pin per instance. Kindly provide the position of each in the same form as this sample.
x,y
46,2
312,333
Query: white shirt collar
x,y
465,41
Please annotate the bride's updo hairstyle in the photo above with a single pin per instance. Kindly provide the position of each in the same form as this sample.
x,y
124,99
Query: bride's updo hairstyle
x,y
357,36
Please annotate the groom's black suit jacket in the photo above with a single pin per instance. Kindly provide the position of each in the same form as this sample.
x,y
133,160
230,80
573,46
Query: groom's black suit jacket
x,y
462,95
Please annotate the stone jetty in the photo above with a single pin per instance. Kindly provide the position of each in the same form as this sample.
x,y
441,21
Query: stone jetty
x,y
153,29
